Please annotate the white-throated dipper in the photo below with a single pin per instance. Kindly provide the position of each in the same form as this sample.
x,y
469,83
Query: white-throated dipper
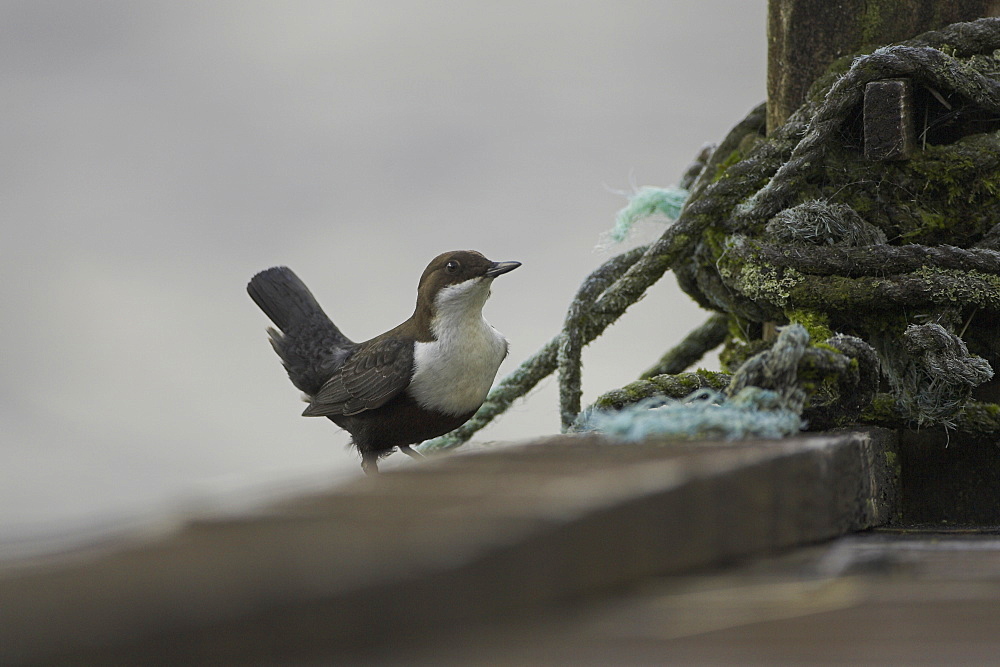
x,y
417,381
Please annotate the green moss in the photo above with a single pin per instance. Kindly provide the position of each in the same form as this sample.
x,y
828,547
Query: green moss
x,y
713,379
977,417
769,283
714,240
948,193
882,410
737,351
673,386
891,459
962,288
737,329
928,223
730,160
871,22
759,282
861,299
743,148
816,323
952,169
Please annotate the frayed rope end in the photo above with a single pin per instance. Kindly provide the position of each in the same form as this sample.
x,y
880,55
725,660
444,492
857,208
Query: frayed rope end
x,y
648,201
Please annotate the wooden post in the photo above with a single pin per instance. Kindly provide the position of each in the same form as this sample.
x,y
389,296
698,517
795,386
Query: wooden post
x,y
943,480
805,36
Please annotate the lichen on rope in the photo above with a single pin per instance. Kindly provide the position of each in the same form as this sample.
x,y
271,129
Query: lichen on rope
x,y
798,227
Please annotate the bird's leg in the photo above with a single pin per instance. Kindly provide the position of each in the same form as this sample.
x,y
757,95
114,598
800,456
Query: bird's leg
x,y
369,463
412,453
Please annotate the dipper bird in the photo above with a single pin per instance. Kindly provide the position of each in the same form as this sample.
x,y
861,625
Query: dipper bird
x,y
422,379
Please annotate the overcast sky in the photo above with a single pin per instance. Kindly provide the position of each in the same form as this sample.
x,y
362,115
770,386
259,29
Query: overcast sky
x,y
157,154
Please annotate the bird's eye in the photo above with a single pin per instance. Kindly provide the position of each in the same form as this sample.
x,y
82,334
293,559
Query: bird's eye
x,y
452,266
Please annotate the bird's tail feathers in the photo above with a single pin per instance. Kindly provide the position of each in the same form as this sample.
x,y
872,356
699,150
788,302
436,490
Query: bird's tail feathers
x,y
307,341
285,299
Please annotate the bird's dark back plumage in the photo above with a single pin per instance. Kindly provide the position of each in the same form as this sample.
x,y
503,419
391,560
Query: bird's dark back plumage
x,y
310,345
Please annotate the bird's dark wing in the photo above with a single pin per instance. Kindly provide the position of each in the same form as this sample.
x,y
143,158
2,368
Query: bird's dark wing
x,y
376,372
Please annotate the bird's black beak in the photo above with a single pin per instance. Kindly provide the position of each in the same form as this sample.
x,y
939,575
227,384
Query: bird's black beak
x,y
499,268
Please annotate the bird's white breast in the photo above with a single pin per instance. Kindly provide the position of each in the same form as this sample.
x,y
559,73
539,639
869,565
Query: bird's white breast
x,y
454,373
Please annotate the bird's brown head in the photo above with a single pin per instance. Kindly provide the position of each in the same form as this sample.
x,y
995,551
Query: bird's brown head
x,y
460,280
458,266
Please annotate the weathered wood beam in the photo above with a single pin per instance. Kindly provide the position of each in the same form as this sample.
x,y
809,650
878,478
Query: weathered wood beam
x,y
431,547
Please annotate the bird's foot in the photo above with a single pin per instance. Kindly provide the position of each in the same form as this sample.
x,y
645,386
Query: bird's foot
x,y
369,465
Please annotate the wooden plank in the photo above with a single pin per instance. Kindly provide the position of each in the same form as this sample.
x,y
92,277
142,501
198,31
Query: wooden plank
x,y
467,537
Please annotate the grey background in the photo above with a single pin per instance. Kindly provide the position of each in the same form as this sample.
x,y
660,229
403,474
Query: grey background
x,y
157,154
